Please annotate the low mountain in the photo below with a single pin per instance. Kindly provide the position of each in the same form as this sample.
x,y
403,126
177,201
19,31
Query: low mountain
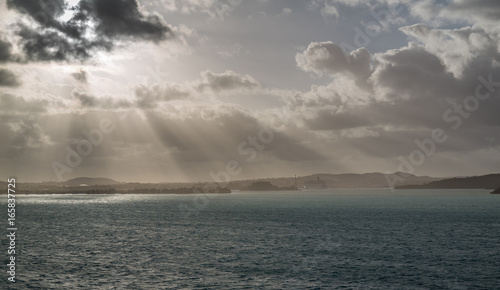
x,y
347,180
261,186
91,181
490,181
266,186
369,180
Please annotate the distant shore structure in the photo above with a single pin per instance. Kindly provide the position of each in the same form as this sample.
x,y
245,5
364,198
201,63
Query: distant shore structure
x,y
315,184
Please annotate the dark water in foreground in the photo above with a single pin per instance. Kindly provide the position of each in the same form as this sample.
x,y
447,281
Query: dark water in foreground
x,y
366,239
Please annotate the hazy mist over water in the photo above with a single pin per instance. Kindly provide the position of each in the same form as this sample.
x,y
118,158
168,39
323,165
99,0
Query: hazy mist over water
x,y
357,238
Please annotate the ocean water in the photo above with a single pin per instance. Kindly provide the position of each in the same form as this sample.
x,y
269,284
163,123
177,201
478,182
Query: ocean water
x,y
329,239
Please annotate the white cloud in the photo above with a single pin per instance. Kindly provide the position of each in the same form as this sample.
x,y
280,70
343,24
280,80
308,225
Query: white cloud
x,y
286,11
329,11
327,57
457,48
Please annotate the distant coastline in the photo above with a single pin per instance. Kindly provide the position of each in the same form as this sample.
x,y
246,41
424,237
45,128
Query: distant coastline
x,y
113,190
89,185
490,181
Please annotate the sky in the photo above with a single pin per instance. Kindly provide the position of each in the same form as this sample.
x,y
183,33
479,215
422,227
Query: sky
x,y
206,90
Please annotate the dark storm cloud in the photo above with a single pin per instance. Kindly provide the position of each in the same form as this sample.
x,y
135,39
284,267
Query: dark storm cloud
x,y
8,78
413,72
80,76
5,51
50,45
121,18
86,99
106,20
45,13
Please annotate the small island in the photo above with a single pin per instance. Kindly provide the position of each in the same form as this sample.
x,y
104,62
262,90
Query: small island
x,y
496,191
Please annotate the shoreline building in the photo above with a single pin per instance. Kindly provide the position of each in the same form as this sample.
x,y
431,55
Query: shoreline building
x,y
315,184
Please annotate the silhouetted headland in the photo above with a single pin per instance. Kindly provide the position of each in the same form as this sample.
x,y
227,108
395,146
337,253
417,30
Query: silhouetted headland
x,y
490,181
